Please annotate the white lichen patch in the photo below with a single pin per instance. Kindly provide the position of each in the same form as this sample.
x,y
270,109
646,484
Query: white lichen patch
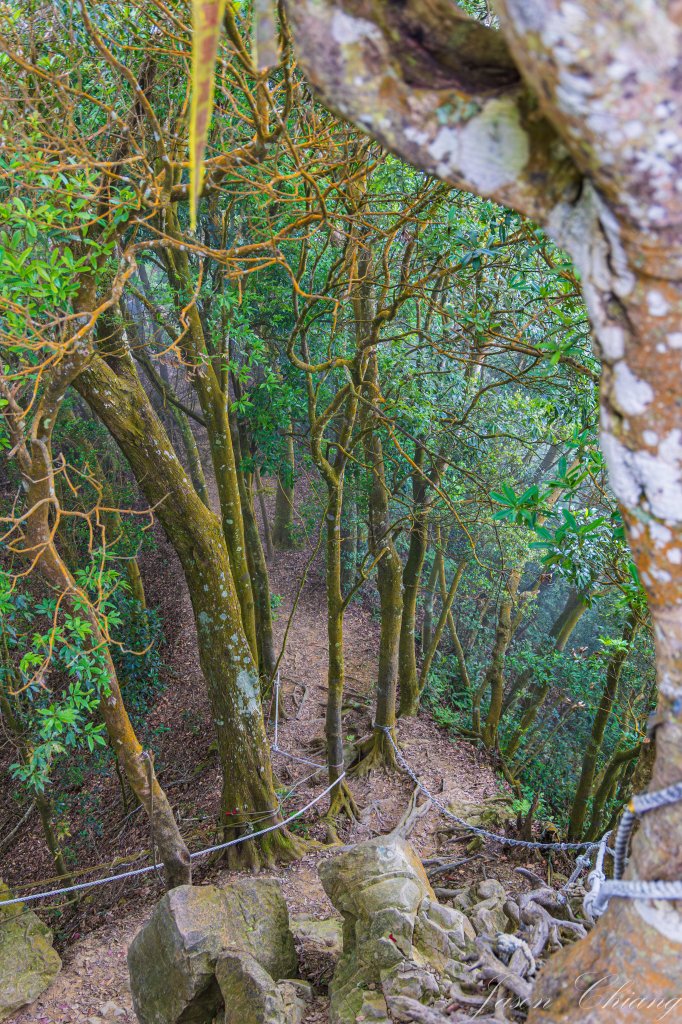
x,y
654,478
675,339
632,395
490,151
346,30
612,342
657,303
494,146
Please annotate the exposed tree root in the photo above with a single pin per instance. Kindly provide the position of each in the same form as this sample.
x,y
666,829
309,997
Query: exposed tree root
x,y
278,847
373,752
342,802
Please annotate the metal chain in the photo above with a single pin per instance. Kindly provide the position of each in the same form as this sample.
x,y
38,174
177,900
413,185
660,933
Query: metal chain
x,y
504,840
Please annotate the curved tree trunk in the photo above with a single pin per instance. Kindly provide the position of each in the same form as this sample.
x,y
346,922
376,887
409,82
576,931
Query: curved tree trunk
x,y
137,763
231,674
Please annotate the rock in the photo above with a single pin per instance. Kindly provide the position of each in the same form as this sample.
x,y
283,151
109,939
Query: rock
x,y
319,945
379,887
412,981
249,992
441,934
259,919
172,959
28,963
375,875
488,917
111,1011
295,995
490,887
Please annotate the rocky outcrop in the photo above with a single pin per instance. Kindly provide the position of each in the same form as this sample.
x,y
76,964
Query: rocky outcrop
x,y
173,961
398,941
28,963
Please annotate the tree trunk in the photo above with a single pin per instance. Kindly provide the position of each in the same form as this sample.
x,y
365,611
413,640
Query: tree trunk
x,y
574,609
429,597
389,585
349,539
441,624
283,526
267,532
494,677
258,567
412,574
227,663
613,673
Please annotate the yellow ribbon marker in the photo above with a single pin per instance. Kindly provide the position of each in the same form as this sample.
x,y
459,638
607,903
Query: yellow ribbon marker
x,y
207,18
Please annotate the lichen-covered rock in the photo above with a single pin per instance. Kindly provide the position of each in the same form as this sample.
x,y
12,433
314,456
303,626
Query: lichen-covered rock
x,y
258,916
372,876
488,916
380,887
172,959
319,944
296,994
441,933
28,963
249,993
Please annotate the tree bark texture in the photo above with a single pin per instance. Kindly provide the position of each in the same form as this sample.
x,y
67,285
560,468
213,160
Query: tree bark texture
x,y
571,115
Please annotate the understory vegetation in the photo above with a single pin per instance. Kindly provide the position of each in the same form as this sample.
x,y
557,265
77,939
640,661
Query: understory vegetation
x,y
344,358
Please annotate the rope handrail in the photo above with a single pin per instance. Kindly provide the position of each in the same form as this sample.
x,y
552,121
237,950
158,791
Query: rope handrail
x,y
153,867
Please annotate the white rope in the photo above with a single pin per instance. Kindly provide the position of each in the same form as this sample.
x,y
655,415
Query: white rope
x,y
603,888
152,867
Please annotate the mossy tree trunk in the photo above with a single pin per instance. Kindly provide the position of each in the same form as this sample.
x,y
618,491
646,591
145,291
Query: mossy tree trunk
x,y
614,671
389,580
115,393
283,525
494,677
411,582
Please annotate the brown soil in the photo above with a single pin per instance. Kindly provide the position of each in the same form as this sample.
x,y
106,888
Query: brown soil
x,y
93,984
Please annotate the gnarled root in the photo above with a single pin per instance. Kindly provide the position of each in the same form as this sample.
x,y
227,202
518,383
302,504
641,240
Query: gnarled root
x,y
342,802
376,751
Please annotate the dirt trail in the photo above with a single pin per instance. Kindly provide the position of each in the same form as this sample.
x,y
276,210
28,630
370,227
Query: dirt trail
x,y
93,985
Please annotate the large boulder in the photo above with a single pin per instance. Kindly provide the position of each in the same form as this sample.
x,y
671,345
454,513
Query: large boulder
x,y
398,941
258,920
172,960
28,963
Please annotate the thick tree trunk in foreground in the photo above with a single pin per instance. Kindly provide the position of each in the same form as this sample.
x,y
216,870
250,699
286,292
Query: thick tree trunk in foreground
x,y
570,114
248,798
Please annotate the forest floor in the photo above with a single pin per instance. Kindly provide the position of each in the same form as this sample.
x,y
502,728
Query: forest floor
x,y
93,984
